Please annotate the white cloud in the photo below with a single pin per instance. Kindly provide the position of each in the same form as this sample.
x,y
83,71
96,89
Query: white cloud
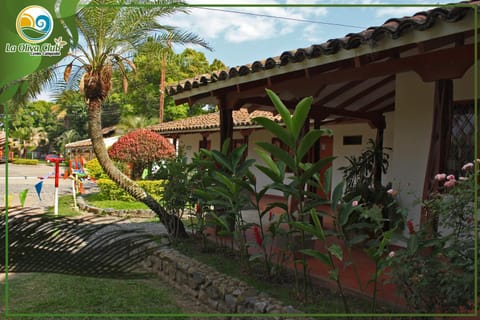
x,y
240,24
399,12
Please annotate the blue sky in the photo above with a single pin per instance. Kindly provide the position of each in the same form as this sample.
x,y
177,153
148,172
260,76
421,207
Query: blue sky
x,y
252,33
243,38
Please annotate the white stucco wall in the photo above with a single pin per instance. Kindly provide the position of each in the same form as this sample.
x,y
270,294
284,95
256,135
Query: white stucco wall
x,y
413,123
341,151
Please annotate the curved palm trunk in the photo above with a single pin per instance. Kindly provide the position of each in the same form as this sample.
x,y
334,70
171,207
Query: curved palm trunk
x,y
173,224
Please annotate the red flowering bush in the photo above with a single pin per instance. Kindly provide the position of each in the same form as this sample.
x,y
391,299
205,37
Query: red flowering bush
x,y
141,148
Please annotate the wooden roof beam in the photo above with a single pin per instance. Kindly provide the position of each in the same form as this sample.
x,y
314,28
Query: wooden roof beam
x,y
366,91
339,91
377,101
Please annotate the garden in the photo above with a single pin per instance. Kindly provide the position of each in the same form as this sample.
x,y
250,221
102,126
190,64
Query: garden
x,y
427,268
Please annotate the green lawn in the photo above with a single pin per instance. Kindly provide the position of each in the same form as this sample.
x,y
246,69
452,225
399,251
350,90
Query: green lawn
x,y
66,294
94,200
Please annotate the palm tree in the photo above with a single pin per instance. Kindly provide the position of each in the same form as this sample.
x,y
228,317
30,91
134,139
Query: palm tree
x,y
130,123
65,138
111,32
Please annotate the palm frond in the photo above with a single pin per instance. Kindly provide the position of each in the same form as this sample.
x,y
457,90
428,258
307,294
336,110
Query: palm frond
x,y
92,246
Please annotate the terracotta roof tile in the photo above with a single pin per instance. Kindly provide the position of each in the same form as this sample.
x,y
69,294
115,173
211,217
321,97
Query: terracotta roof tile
x,y
393,28
211,121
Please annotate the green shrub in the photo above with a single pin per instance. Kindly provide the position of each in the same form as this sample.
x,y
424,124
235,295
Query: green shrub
x,y
109,190
32,162
95,170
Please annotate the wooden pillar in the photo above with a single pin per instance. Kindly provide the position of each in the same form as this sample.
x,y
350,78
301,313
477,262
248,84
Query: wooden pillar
x,y
226,122
439,141
246,134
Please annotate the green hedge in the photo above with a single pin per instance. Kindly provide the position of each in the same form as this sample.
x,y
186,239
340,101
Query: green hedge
x,y
95,170
32,162
110,191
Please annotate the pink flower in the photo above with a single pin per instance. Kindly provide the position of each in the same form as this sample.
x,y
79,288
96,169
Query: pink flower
x,y
355,203
478,160
450,177
468,166
391,254
450,183
440,176
392,192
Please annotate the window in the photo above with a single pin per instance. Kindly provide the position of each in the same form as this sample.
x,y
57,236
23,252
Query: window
x,y
461,149
352,140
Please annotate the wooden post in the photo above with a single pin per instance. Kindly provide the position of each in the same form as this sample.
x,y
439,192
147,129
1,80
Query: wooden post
x,y
226,122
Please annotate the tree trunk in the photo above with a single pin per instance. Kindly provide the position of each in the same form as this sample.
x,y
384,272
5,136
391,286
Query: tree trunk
x,y
173,224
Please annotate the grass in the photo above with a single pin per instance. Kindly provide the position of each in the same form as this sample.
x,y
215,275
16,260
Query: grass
x,y
65,207
96,201
61,294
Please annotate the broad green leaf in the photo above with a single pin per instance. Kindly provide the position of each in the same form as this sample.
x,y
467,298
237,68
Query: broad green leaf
x,y
279,153
308,228
412,244
237,155
358,238
336,250
8,92
313,170
280,107
226,146
269,173
268,161
222,160
307,142
318,226
328,181
276,130
317,255
337,195
300,115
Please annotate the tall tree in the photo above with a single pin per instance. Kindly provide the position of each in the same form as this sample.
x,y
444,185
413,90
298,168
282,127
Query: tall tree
x,y
111,32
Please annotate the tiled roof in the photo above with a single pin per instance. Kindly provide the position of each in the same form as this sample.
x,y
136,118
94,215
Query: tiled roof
x,y
211,121
87,143
394,28
2,138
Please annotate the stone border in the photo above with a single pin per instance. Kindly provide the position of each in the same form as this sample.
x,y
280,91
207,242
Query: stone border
x,y
220,292
135,213
202,282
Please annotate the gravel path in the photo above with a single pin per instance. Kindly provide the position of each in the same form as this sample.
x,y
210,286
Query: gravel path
x,y
21,177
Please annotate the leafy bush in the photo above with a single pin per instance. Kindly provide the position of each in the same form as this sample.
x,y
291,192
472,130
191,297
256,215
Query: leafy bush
x,y
436,271
109,190
32,162
95,170
141,148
